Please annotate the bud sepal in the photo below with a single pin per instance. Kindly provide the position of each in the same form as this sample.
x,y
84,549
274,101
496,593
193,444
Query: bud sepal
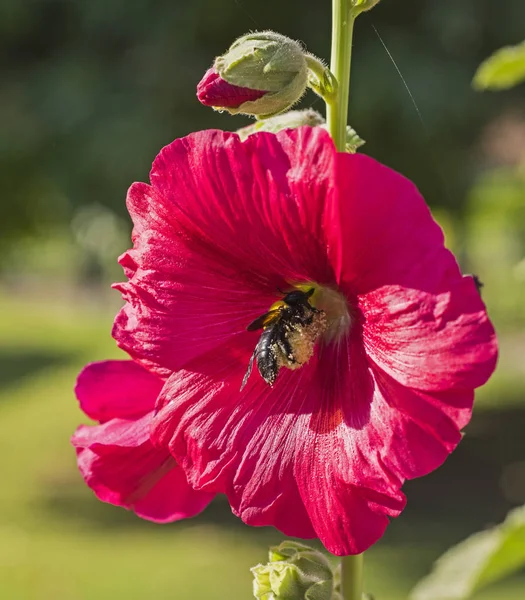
x,y
288,120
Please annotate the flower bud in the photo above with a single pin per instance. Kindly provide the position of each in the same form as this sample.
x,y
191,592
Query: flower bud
x,y
294,572
288,120
262,74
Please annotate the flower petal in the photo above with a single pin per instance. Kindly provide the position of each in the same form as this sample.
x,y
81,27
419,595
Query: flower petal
x,y
116,389
431,341
223,226
212,90
350,475
424,323
257,202
120,464
344,483
381,230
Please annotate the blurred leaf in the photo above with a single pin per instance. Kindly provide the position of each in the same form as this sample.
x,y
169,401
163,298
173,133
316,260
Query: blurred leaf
x,y
503,70
480,559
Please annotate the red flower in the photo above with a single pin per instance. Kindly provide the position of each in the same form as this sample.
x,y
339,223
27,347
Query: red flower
x,y
116,458
215,91
325,450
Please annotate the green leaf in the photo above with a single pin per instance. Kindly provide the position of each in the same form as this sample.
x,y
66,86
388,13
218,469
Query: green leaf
x,y
482,558
503,70
353,141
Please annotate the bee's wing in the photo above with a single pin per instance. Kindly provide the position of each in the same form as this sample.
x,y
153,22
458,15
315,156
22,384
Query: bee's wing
x,y
248,372
264,320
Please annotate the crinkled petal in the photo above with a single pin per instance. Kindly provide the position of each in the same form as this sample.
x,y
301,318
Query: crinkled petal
x,y
119,389
424,323
257,202
120,464
223,226
438,341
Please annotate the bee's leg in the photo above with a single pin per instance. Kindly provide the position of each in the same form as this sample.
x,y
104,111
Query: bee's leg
x,y
284,345
286,349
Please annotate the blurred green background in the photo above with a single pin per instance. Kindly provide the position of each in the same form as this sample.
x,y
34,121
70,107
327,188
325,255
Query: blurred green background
x,y
90,92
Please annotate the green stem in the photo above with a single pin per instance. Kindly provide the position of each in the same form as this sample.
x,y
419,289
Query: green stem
x,y
352,577
343,17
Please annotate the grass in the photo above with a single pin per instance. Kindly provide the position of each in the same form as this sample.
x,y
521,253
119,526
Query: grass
x,y
58,542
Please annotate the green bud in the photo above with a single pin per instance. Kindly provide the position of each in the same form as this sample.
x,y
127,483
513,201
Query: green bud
x,y
359,6
294,572
269,62
288,120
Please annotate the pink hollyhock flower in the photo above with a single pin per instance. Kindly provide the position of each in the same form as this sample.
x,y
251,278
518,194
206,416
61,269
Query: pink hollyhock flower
x,y
215,91
116,458
375,377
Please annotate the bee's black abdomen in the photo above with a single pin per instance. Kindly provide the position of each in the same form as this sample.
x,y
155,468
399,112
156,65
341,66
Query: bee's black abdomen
x,y
267,365
266,357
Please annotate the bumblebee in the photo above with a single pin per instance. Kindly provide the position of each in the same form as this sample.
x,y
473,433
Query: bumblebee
x,y
289,335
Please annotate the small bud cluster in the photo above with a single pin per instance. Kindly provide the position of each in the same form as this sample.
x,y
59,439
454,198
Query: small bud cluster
x,y
295,572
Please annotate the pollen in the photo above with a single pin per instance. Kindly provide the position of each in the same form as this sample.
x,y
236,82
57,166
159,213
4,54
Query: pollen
x,y
301,340
338,316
